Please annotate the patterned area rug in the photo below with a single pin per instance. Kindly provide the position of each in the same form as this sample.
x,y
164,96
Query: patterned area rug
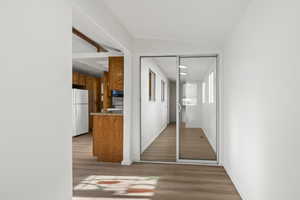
x,y
121,185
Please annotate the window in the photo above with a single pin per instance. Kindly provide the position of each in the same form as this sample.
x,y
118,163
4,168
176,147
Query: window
x,y
190,94
162,90
203,92
211,87
152,80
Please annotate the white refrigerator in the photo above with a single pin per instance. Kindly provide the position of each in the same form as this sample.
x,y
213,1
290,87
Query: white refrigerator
x,y
80,104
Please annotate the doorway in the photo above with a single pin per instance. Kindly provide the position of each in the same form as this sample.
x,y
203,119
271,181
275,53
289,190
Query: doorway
x,y
179,109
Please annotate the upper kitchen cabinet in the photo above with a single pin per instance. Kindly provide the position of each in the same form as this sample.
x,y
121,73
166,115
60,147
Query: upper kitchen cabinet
x,y
82,79
79,79
116,73
75,78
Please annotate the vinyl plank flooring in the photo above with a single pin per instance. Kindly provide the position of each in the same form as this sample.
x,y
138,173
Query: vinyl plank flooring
x,y
175,182
194,145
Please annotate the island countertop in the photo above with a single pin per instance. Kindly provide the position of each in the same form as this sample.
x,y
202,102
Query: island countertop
x,y
107,113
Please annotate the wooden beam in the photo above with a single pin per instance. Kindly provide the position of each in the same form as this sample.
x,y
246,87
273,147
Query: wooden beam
x,y
89,40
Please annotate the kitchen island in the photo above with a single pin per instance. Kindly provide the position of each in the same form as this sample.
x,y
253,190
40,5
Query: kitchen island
x,y
108,136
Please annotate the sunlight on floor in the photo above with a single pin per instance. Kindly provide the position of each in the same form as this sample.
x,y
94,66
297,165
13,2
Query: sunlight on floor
x,y
104,198
136,186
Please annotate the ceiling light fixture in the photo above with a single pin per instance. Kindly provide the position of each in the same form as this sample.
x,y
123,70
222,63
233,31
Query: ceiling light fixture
x,y
182,67
183,73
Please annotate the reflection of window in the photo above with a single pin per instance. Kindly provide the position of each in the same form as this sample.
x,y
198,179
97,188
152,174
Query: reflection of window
x,y
203,92
162,90
190,94
211,88
152,79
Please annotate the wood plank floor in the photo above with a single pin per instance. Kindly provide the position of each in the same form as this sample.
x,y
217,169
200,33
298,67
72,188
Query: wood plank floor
x,y
176,182
163,148
194,145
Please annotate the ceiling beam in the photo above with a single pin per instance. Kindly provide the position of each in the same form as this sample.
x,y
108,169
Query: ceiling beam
x,y
89,40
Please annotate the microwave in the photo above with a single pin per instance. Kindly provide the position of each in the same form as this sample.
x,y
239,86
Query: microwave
x,y
117,93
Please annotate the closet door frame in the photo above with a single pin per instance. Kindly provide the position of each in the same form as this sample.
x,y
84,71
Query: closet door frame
x,y
178,113
178,160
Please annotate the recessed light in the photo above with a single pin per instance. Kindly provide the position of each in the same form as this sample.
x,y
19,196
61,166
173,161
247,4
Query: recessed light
x,y
183,73
182,67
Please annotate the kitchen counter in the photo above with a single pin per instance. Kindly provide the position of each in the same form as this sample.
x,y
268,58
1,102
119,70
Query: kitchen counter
x,y
107,113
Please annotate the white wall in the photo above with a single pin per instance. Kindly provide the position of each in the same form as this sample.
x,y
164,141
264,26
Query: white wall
x,y
261,102
155,114
35,109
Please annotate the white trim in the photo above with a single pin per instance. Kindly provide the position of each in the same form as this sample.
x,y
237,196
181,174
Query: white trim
x,y
127,115
178,107
218,112
235,182
209,140
199,162
126,162
186,161
182,162
218,103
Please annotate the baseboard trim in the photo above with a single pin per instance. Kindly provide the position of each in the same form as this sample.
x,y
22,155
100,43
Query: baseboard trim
x,y
205,133
81,134
153,139
234,181
126,162
180,163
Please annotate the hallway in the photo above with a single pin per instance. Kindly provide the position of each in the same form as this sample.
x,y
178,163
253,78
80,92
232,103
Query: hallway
x,y
194,145
173,181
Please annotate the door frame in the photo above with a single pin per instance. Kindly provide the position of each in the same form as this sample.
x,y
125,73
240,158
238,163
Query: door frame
x,y
184,161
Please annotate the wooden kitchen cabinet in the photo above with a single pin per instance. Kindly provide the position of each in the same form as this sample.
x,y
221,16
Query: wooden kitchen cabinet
x,y
75,78
90,88
93,86
106,92
82,79
97,95
116,73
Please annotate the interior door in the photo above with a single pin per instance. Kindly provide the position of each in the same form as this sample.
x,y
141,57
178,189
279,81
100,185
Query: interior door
x,y
196,109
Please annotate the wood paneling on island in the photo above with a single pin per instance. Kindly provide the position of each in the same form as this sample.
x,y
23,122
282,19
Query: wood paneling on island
x,y
108,137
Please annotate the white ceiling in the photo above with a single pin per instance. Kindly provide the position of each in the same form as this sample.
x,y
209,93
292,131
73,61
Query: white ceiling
x,y
191,21
167,65
93,66
196,67
81,46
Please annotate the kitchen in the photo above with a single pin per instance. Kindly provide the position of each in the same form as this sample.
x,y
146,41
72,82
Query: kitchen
x,y
97,83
